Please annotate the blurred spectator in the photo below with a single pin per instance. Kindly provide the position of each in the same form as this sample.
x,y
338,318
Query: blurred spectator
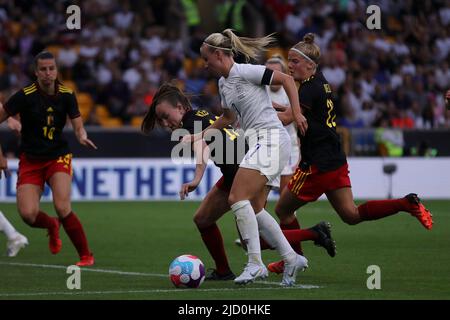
x,y
355,98
351,119
67,57
334,74
124,45
369,113
115,96
124,17
294,21
442,75
173,64
390,142
142,98
132,76
402,120
191,14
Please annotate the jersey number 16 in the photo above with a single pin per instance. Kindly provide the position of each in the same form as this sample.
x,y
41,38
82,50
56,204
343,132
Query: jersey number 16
x,y
48,132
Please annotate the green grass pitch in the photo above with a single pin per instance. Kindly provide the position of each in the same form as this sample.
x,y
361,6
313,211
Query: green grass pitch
x,y
134,243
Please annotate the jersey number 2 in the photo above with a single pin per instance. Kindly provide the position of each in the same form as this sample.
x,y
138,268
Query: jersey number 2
x,y
331,116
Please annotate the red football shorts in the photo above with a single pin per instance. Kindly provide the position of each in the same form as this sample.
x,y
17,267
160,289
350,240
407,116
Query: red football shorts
x,y
308,185
33,171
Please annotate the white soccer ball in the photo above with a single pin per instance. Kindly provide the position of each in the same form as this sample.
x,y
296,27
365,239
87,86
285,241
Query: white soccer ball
x,y
187,271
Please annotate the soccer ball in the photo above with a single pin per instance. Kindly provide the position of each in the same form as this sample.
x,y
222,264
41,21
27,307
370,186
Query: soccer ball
x,y
187,271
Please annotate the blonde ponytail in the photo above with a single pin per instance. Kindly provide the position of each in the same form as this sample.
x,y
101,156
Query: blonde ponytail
x,y
231,44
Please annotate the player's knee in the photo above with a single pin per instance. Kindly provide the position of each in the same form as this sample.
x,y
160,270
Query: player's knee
x,y
232,199
202,221
62,209
28,211
350,216
28,216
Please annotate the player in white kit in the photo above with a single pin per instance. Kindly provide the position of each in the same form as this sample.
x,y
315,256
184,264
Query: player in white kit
x,y
244,98
16,241
280,99
280,102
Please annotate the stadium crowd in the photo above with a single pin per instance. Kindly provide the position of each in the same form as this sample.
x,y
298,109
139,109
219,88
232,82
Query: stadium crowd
x,y
396,76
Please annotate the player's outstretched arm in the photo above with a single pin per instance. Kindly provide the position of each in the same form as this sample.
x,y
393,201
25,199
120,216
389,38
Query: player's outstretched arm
x,y
201,151
226,119
81,133
288,84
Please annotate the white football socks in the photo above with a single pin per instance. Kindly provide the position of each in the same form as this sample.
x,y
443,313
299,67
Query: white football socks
x,y
248,228
271,232
6,227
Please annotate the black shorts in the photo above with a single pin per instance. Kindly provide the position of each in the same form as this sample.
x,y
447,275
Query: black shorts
x,y
228,174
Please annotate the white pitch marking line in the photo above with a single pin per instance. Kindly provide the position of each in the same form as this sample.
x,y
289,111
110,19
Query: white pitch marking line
x,y
52,266
125,273
31,294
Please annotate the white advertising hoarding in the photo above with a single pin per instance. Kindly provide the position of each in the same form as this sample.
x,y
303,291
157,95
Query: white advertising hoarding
x,y
160,179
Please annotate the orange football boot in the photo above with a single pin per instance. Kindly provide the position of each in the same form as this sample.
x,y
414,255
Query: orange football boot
x,y
276,267
419,211
86,261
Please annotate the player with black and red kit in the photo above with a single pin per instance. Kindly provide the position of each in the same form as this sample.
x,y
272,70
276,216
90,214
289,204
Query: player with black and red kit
x,y
45,157
323,167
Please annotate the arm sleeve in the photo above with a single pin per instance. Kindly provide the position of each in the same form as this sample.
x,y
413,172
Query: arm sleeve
x,y
72,107
256,74
15,104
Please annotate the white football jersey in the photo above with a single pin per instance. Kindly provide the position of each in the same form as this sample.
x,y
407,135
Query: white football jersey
x,y
243,93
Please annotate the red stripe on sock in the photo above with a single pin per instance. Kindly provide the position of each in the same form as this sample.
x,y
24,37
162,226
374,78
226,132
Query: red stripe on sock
x,y
74,230
212,238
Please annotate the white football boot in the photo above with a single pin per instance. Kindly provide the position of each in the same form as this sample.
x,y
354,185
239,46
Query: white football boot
x,y
290,270
14,245
252,271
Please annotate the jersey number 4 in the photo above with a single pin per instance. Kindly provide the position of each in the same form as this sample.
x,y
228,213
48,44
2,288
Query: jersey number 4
x,y
331,115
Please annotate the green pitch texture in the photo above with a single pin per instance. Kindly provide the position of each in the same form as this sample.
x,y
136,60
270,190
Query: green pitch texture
x,y
143,238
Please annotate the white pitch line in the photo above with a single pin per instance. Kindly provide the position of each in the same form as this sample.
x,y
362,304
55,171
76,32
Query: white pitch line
x,y
48,266
52,266
125,273
32,294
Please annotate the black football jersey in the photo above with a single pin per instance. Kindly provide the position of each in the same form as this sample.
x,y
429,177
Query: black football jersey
x,y
226,155
43,118
321,144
